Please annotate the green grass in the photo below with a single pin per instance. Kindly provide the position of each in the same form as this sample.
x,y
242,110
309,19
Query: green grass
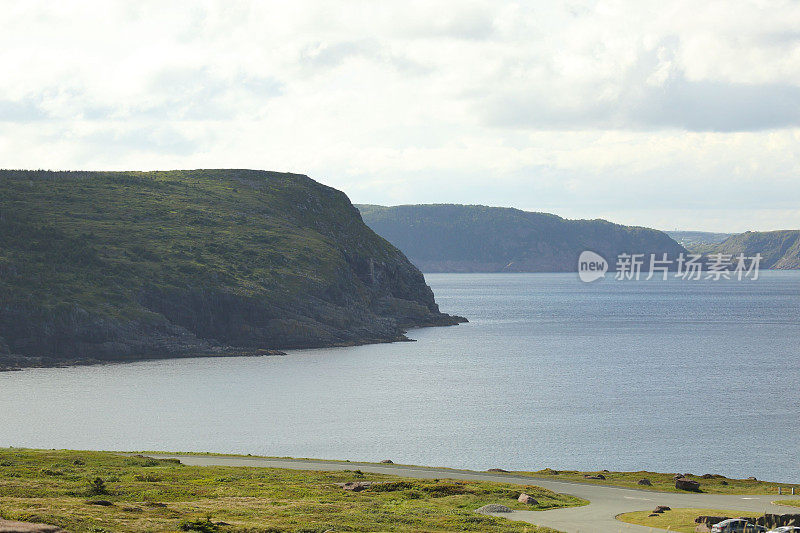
x,y
161,495
666,483
681,520
790,503
663,482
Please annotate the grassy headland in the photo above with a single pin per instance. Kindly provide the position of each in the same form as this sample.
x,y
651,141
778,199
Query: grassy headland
x,y
145,494
130,265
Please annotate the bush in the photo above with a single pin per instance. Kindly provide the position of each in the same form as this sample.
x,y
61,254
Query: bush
x,y
446,489
204,526
98,486
391,487
141,461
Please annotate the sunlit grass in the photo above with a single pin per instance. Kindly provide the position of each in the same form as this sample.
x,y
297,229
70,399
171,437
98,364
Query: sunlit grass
x,y
665,482
161,495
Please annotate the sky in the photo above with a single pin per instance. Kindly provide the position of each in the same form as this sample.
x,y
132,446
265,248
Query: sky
x,y
668,114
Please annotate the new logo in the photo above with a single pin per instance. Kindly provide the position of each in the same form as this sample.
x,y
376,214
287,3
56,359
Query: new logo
x,y
591,266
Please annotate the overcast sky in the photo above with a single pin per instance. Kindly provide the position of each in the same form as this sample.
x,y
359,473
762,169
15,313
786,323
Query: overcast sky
x,y
675,115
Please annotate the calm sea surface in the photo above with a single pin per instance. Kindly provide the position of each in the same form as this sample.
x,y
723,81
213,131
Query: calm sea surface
x,y
689,376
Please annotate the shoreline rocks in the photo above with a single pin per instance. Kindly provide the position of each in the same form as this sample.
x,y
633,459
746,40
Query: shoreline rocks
x,y
687,484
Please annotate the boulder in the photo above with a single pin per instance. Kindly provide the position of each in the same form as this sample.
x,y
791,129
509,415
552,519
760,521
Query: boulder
x,y
687,484
497,470
526,498
598,476
387,461
644,481
493,508
11,526
677,476
752,478
661,509
356,486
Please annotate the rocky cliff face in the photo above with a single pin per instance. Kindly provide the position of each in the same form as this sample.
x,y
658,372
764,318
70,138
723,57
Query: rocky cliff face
x,y
129,265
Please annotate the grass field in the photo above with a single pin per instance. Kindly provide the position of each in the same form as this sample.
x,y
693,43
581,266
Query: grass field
x,y
792,503
681,520
56,487
666,482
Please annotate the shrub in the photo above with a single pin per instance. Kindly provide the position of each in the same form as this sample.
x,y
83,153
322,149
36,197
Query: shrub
x,y
98,486
391,487
141,461
204,526
445,489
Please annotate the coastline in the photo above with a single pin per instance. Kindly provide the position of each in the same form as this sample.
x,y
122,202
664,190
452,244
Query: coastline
x,y
16,362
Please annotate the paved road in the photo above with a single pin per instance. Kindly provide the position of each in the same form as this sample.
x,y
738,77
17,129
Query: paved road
x,y
606,502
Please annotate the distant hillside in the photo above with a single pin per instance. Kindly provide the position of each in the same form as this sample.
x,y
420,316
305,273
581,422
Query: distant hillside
x,y
126,265
779,249
473,238
691,239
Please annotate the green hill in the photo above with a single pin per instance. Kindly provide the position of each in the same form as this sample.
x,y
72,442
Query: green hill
x,y
779,249
474,238
126,265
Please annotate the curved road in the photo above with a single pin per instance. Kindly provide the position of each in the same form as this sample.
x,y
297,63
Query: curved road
x,y
606,501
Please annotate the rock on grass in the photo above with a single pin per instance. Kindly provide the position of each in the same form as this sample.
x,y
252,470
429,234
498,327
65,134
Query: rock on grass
x,y
493,508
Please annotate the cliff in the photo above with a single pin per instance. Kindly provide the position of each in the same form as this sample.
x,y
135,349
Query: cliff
x,y
99,266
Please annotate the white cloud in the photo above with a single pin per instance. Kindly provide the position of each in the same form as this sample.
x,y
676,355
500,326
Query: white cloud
x,y
641,111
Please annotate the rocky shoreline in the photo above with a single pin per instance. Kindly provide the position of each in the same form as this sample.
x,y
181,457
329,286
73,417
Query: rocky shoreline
x,y
13,362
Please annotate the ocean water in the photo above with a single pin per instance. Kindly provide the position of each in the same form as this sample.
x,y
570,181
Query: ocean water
x,y
676,376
